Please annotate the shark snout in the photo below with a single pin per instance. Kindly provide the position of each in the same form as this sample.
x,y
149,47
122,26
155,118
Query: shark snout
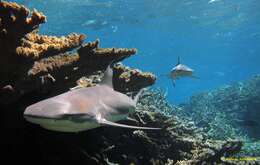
x,y
41,111
31,112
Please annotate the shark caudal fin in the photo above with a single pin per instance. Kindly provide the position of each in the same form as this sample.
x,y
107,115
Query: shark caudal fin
x,y
110,123
108,77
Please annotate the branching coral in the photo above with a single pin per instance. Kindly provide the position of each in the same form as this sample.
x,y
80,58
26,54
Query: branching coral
x,y
237,102
228,112
158,98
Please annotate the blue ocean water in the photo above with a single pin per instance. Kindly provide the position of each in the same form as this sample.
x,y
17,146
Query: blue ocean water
x,y
219,39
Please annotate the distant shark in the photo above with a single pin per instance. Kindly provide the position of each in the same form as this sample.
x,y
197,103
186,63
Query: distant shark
x,y
180,70
84,109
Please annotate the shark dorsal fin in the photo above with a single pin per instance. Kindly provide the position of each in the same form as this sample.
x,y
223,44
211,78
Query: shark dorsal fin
x,y
179,61
136,98
108,77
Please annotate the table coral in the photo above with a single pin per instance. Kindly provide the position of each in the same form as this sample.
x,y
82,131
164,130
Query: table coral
x,y
37,46
31,62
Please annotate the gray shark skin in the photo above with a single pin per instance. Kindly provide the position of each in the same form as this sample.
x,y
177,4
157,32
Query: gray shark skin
x,y
179,71
83,109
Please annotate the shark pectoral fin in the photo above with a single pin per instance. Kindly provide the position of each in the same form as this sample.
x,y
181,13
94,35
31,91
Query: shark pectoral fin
x,y
131,119
110,123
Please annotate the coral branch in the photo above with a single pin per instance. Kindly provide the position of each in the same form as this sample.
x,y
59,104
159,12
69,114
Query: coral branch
x,y
50,64
127,79
103,56
35,45
87,48
15,20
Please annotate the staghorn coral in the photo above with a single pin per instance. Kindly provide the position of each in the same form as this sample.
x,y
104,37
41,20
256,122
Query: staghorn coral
x,y
31,62
158,98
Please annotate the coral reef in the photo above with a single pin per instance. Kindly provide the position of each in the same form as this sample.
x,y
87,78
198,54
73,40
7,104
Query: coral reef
x,y
239,101
158,99
31,62
231,111
34,66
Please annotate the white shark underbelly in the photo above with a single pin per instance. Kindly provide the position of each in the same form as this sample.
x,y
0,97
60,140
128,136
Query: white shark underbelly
x,y
63,125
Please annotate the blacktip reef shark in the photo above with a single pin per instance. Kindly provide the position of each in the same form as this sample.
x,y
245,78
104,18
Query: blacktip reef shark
x,y
83,109
180,70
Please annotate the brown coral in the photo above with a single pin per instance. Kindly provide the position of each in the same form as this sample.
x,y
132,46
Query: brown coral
x,y
131,79
16,22
33,62
35,46
103,56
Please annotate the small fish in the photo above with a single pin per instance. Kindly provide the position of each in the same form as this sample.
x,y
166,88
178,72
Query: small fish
x,y
95,24
213,1
85,108
179,71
